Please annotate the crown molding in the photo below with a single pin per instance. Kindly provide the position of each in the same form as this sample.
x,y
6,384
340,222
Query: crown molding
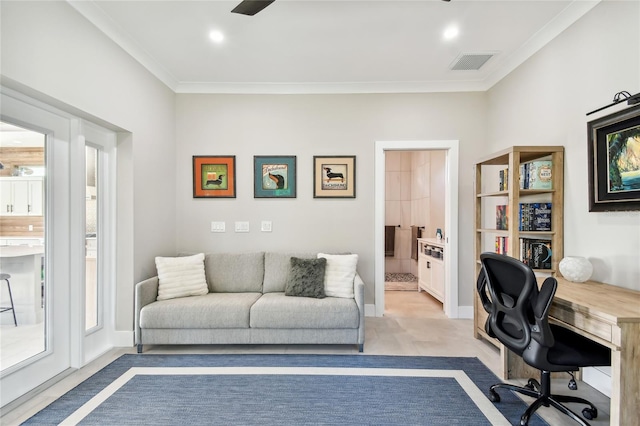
x,y
94,14
572,13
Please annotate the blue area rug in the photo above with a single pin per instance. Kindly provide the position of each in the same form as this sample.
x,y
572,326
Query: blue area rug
x,y
285,390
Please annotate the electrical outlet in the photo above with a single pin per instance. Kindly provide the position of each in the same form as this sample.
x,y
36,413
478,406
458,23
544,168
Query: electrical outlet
x,y
30,227
265,226
242,226
218,227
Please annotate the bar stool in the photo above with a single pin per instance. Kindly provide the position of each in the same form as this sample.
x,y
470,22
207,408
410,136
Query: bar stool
x,y
6,277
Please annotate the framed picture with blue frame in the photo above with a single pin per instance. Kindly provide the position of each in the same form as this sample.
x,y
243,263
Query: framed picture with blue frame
x,y
274,176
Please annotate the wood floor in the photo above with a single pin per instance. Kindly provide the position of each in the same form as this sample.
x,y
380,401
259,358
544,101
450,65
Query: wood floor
x,y
414,324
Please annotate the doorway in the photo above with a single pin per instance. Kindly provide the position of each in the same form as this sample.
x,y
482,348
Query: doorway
x,y
415,188
450,148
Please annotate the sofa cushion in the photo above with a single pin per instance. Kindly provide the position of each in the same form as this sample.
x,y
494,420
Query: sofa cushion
x,y
275,310
213,310
306,278
181,276
235,272
339,274
277,267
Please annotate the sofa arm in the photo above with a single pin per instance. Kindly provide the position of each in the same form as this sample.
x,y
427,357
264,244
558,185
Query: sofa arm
x,y
146,292
358,295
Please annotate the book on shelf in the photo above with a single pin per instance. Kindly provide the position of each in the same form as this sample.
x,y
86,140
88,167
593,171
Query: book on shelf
x,y
536,175
504,180
534,217
502,217
536,253
502,245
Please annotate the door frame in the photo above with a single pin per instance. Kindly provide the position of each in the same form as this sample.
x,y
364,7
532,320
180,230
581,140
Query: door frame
x,y
55,359
69,346
451,217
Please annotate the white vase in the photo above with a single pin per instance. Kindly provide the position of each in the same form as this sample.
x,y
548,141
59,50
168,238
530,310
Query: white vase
x,y
576,268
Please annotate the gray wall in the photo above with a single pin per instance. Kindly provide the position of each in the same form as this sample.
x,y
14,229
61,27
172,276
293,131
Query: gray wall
x,y
308,125
49,48
544,102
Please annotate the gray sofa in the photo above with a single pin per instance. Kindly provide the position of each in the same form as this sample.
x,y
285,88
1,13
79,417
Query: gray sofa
x,y
246,304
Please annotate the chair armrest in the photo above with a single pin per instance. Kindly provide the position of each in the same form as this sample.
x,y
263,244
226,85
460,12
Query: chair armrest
x,y
146,292
358,295
542,333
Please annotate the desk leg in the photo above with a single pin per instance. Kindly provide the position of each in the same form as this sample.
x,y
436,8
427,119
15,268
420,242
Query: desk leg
x,y
625,366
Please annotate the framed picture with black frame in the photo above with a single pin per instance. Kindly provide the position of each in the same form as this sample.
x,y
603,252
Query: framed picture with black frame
x,y
614,161
334,176
274,176
214,176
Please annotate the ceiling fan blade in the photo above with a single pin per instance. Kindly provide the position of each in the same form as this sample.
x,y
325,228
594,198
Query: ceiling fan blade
x,y
251,7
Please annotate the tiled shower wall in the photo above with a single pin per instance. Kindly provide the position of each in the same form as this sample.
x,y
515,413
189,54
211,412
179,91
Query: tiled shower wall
x,y
415,189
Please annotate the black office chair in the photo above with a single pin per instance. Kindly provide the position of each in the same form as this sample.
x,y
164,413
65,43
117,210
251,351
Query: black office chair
x,y
518,318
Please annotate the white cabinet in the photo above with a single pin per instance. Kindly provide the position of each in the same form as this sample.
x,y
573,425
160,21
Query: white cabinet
x,y
431,267
20,196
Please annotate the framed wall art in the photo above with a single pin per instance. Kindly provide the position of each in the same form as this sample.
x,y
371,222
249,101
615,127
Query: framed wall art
x,y
334,176
214,176
274,176
614,161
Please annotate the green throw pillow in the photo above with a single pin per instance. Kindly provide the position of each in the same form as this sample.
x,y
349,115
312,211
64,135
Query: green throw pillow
x,y
306,278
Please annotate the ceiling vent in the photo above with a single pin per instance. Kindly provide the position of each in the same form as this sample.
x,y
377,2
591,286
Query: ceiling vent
x,y
470,61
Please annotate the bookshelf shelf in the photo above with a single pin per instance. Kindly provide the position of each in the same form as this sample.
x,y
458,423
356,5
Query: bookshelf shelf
x,y
489,172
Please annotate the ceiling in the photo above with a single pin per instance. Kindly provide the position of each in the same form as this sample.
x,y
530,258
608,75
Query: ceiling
x,y
330,46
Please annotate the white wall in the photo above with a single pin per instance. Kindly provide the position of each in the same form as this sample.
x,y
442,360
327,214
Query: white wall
x,y
48,48
544,102
307,125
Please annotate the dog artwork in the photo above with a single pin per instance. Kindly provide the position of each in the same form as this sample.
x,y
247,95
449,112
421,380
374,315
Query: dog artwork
x,y
333,176
215,182
278,179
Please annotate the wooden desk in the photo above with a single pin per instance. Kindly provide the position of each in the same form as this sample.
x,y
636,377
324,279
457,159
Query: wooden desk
x,y
604,313
609,315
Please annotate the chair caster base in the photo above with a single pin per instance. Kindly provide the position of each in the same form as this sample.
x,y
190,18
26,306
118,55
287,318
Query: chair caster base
x,y
590,413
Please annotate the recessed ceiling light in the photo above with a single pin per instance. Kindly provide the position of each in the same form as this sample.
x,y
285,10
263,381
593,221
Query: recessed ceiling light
x,y
216,36
451,32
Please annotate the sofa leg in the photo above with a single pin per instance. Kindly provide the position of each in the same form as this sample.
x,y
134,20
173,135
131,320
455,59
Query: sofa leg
x,y
140,348
361,347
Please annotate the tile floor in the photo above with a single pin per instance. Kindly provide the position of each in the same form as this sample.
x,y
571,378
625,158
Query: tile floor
x,y
414,324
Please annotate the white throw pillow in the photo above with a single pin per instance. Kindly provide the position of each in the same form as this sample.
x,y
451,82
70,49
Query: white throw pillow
x,y
181,276
339,274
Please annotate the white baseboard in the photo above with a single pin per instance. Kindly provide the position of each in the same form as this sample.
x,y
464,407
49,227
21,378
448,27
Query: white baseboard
x,y
123,339
599,378
370,310
465,312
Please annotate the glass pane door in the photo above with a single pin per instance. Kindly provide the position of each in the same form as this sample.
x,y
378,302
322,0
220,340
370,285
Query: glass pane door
x,y
91,240
22,245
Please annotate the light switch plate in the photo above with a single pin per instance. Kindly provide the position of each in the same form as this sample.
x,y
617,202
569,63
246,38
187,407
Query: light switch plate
x,y
218,227
242,226
265,226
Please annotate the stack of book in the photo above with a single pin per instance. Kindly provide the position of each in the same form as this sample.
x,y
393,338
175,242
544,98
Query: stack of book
x,y
536,175
536,253
502,217
504,180
502,245
535,217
